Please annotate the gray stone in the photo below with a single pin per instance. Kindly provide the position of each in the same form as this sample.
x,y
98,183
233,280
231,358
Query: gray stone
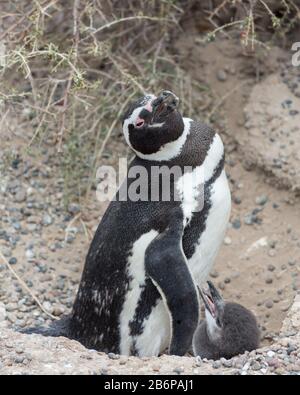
x,y
12,261
20,196
261,200
178,370
47,220
221,75
269,304
255,365
112,355
74,208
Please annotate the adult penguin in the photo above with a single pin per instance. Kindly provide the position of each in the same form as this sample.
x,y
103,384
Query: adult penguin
x,y
138,291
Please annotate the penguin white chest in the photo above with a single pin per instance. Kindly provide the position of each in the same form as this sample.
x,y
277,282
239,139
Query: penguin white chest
x,y
136,275
212,237
219,205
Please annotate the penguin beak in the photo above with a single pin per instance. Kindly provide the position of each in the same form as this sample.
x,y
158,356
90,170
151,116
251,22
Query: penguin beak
x,y
169,98
167,101
212,299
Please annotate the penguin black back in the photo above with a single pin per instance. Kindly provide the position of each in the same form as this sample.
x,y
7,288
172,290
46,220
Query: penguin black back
x,y
228,330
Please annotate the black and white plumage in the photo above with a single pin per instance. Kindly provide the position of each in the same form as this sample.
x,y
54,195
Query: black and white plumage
x,y
229,328
138,292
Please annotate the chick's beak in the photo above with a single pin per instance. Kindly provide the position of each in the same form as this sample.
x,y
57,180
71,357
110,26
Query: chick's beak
x,y
212,299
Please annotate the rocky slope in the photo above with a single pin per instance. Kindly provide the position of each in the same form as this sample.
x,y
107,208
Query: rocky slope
x,y
270,138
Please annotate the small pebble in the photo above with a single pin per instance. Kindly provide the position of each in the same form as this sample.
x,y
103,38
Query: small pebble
x,y
236,224
20,196
46,220
221,75
269,304
214,274
227,241
256,366
261,200
112,355
268,280
12,261
216,364
270,354
178,370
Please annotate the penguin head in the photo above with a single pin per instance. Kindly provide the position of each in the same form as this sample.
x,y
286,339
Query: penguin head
x,y
229,328
214,311
152,122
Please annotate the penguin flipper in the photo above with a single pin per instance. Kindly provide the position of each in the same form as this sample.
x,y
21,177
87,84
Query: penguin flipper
x,y
166,265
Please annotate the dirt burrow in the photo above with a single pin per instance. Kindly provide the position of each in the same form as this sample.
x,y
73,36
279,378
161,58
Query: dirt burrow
x,y
35,354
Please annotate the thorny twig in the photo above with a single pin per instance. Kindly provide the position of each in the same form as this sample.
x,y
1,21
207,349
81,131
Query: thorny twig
x,y
70,80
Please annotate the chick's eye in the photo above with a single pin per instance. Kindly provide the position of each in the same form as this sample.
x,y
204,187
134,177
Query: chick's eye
x,y
218,322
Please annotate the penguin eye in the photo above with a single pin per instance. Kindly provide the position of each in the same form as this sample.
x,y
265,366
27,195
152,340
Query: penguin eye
x,y
218,321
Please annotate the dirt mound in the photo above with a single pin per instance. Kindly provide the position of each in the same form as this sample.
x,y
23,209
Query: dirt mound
x,y
35,354
270,138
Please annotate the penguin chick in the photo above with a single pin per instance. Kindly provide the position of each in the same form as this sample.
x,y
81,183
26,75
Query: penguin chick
x,y
229,328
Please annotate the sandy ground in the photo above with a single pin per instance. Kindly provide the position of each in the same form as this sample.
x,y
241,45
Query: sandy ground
x,y
35,354
259,262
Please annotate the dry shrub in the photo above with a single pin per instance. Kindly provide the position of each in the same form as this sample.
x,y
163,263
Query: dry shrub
x,y
70,67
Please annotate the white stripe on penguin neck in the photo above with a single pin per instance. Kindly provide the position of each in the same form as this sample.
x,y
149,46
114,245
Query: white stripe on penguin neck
x,y
170,150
